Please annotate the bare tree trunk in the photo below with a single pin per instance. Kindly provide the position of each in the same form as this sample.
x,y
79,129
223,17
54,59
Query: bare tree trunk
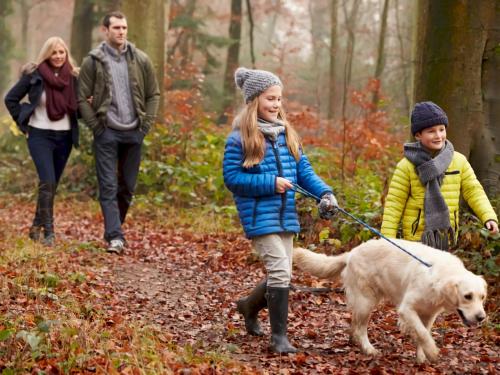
x,y
333,51
25,17
404,63
250,33
485,152
379,68
315,11
6,44
350,21
81,29
233,52
108,5
150,35
233,57
185,35
167,6
272,24
455,40
186,40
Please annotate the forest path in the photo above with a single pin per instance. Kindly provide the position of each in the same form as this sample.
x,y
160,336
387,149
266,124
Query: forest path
x,y
185,284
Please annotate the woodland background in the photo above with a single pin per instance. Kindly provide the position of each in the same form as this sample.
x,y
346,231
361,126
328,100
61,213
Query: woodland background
x,y
352,70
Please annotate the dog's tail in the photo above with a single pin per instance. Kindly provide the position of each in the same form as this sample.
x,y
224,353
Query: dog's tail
x,y
319,265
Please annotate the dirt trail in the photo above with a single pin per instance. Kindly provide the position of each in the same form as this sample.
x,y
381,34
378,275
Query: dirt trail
x,y
191,296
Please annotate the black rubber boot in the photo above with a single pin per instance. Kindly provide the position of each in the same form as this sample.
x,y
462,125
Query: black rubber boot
x,y
36,227
277,303
250,306
46,197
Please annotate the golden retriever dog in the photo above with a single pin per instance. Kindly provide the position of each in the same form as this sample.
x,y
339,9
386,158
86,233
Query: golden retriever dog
x,y
377,270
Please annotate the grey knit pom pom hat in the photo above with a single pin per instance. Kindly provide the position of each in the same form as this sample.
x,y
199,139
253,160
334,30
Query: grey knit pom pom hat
x,y
425,115
254,82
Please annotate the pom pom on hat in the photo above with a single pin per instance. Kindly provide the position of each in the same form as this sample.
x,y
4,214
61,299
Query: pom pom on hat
x,y
240,76
426,115
254,82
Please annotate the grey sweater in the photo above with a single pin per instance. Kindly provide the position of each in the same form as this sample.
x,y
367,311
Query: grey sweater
x,y
121,114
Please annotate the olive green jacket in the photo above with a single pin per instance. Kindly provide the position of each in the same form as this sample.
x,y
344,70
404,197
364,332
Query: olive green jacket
x,y
95,82
405,199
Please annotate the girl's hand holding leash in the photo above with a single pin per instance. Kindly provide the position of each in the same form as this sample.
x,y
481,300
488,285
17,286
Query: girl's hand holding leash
x,y
282,185
327,206
492,226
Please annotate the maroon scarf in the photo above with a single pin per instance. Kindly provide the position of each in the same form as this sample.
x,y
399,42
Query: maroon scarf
x,y
59,90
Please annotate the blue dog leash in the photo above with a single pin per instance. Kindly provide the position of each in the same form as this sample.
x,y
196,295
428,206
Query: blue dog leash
x,y
301,190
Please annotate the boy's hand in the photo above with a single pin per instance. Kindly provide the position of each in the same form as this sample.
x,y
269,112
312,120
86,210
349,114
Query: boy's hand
x,y
327,207
492,226
282,185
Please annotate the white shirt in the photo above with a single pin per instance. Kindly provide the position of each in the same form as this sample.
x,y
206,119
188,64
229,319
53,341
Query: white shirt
x,y
39,118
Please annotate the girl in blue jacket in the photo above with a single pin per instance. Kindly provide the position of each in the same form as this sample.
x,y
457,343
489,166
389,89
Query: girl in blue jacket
x,y
262,158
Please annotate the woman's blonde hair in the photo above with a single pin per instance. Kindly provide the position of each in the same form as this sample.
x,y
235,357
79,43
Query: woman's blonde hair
x,y
254,144
48,48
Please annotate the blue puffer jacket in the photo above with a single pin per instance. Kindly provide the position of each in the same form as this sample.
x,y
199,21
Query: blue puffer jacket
x,y
262,210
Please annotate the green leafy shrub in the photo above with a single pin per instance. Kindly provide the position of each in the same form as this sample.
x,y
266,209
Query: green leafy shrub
x,y
184,169
479,250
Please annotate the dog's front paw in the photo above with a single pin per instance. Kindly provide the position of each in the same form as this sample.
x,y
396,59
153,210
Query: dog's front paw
x,y
420,355
370,350
431,352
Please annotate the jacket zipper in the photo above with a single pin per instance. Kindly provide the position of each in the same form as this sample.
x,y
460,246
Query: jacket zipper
x,y
455,214
280,174
254,217
414,226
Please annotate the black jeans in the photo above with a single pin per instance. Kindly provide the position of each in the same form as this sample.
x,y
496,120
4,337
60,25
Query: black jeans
x,y
50,151
117,157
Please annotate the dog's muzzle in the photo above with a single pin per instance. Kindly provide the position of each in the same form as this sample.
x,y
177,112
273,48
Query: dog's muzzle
x,y
479,318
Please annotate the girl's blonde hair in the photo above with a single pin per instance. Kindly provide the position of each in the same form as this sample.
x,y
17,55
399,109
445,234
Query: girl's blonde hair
x,y
254,144
48,48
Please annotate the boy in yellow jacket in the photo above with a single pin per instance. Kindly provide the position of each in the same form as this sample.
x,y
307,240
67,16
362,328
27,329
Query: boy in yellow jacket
x,y
426,186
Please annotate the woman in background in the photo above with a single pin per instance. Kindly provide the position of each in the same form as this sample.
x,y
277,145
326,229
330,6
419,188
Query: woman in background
x,y
49,120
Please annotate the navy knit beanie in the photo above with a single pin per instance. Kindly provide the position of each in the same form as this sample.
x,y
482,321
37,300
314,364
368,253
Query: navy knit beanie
x,y
425,115
254,82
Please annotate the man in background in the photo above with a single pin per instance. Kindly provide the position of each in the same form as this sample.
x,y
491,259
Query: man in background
x,y
118,99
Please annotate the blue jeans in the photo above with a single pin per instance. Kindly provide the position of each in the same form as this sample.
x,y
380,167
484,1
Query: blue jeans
x,y
50,151
117,161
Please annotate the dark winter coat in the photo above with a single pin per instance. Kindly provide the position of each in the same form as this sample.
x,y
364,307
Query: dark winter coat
x,y
31,84
262,210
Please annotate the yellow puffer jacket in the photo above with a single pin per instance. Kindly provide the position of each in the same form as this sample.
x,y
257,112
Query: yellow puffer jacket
x,y
405,198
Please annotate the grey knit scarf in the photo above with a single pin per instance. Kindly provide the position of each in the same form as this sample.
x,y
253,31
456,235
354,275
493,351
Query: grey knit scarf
x,y
431,171
271,129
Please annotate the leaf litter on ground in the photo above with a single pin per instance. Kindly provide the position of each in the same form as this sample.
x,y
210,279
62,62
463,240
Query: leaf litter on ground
x,y
168,306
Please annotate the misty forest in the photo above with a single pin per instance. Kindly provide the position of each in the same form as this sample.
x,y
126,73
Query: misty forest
x,y
352,71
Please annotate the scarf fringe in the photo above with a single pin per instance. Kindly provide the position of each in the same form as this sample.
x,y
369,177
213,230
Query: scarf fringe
x,y
439,238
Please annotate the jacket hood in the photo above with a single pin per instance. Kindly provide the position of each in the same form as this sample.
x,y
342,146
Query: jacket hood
x,y
29,68
236,123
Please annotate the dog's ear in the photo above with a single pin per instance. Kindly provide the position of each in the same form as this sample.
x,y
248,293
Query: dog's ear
x,y
450,291
485,285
